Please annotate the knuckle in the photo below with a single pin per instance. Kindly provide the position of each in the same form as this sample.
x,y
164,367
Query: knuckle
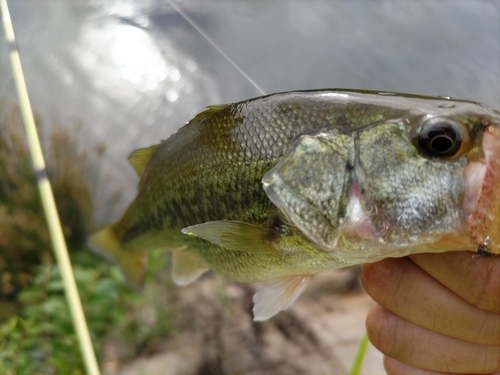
x,y
487,295
491,362
382,331
382,279
489,331
392,367
367,274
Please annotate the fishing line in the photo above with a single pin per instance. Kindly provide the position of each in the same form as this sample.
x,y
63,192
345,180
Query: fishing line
x,y
219,49
47,197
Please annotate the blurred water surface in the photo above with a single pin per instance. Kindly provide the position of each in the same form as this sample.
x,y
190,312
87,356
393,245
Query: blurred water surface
x,y
133,72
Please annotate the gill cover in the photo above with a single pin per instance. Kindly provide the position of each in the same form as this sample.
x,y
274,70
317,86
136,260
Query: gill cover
x,y
311,183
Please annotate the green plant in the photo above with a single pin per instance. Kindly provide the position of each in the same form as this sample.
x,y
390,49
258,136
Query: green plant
x,y
41,339
360,356
37,335
24,239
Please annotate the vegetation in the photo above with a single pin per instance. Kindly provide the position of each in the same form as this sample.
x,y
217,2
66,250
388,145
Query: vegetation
x,y
36,331
40,339
24,240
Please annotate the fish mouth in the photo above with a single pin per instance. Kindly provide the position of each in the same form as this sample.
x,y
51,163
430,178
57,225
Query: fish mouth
x,y
482,195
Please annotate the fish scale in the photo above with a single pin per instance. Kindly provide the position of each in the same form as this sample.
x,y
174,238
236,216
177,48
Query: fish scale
x,y
278,188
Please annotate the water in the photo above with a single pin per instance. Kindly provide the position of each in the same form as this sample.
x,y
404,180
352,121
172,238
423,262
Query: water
x,y
135,71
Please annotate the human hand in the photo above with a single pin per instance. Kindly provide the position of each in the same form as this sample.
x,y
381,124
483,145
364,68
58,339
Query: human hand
x,y
436,313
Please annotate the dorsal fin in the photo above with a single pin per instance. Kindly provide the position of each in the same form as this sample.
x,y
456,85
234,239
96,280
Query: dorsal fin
x,y
140,158
211,109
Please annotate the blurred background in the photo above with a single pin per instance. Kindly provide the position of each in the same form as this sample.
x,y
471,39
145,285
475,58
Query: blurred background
x,y
106,77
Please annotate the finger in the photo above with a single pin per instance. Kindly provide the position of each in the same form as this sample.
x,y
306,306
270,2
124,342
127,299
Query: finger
x,y
404,288
421,348
394,367
476,279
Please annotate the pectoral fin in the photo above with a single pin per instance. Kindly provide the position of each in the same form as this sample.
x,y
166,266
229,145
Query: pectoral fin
x,y
278,295
187,267
236,235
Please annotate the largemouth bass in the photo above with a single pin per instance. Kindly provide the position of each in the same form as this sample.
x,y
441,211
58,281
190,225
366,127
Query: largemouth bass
x,y
278,188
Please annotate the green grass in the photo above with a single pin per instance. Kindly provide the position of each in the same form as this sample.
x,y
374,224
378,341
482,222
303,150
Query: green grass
x,y
36,331
360,356
40,338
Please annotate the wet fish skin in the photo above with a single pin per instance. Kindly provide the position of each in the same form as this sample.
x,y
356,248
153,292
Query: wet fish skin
x,y
245,189
180,188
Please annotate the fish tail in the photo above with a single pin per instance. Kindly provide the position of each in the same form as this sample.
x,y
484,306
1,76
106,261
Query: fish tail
x,y
134,266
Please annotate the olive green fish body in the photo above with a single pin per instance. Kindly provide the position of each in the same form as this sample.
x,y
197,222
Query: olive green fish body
x,y
210,170
282,187
249,266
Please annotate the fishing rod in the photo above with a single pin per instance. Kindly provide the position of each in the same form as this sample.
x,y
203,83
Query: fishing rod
x,y
47,197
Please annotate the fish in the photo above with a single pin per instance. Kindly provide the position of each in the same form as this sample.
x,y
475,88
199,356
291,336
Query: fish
x,y
278,188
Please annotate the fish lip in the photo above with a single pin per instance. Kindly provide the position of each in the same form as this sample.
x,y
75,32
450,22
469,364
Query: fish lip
x,y
484,217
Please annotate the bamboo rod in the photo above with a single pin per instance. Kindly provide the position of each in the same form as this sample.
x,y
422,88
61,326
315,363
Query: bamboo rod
x,y
49,206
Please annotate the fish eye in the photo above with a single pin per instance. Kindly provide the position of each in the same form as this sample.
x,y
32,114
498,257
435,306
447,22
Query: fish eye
x,y
442,137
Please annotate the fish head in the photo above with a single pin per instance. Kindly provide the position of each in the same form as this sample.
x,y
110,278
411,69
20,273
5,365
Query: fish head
x,y
425,179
